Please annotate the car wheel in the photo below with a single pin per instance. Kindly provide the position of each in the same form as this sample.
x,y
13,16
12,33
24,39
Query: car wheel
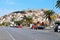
x,y
55,30
58,30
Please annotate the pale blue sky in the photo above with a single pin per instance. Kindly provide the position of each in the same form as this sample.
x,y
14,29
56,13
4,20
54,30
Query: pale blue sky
x,y
7,6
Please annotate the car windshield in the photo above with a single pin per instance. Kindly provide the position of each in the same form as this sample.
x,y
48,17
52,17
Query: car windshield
x,y
57,23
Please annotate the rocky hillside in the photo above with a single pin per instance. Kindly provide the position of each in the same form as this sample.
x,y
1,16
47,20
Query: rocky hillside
x,y
17,15
36,15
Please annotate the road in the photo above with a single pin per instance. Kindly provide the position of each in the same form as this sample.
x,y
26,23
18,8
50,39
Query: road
x,y
27,34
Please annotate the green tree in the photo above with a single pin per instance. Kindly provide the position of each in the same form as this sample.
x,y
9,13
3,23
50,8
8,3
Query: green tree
x,y
58,4
48,14
5,23
12,19
23,12
18,22
27,20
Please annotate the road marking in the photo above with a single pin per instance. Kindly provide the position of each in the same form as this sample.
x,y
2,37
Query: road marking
x,y
10,35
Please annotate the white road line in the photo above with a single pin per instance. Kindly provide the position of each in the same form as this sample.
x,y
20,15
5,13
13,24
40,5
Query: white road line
x,y
10,35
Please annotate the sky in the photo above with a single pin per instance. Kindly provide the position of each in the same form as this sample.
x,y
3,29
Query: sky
x,y
8,6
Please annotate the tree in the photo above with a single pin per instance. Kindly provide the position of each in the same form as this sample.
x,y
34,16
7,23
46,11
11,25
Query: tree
x,y
12,19
27,20
23,12
58,4
30,11
18,22
49,14
5,23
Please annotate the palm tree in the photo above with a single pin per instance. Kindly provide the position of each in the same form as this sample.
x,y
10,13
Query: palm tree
x,y
49,14
58,4
28,20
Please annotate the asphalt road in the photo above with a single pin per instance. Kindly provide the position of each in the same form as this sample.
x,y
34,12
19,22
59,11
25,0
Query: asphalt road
x,y
27,34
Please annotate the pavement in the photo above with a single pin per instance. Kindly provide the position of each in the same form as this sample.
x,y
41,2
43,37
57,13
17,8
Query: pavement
x,y
7,33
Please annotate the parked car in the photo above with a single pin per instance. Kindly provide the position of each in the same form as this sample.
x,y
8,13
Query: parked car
x,y
41,27
57,26
15,26
34,26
